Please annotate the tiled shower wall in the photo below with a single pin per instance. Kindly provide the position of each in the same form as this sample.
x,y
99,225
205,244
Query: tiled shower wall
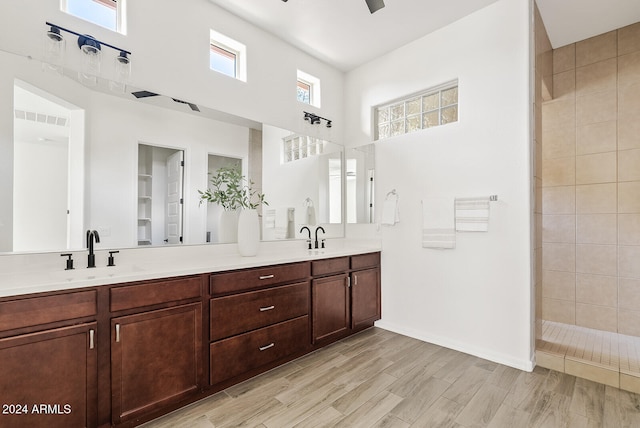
x,y
591,184
543,84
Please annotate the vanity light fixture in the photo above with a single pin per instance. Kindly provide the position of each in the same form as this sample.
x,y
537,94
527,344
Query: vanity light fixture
x,y
54,47
314,119
92,50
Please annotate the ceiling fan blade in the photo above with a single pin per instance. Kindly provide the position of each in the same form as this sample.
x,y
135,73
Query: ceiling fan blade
x,y
375,5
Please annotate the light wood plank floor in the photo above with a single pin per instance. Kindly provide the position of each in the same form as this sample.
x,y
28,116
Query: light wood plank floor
x,y
382,379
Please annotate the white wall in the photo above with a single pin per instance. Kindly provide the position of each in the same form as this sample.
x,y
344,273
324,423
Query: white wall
x,y
170,45
475,298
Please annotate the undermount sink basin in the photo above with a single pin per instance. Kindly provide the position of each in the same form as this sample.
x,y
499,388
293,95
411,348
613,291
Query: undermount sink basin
x,y
83,274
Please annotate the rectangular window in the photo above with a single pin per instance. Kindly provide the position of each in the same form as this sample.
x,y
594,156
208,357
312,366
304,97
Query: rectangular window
x,y
228,56
304,92
223,61
308,89
106,13
434,107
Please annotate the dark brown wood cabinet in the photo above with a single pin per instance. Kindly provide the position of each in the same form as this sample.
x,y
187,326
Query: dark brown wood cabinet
x,y
155,359
347,298
331,312
59,386
365,298
258,317
123,354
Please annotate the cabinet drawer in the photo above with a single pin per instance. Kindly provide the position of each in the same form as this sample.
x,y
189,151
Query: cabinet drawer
x,y
239,354
363,261
225,283
154,293
47,309
328,266
240,313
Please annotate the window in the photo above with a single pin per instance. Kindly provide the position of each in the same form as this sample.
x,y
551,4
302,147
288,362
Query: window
x,y
106,13
434,107
304,92
228,56
296,147
308,89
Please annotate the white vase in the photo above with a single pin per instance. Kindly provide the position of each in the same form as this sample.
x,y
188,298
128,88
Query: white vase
x,y
228,227
248,233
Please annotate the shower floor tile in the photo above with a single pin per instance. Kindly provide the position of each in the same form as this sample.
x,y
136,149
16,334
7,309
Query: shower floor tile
x,y
605,357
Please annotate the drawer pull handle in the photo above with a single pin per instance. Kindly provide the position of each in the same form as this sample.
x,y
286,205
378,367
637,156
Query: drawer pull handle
x,y
91,333
267,308
267,276
117,332
264,348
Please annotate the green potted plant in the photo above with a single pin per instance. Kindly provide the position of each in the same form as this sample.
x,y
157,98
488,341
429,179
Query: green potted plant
x,y
234,192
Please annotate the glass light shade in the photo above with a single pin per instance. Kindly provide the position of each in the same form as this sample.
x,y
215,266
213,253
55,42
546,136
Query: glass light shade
x,y
91,60
122,73
54,47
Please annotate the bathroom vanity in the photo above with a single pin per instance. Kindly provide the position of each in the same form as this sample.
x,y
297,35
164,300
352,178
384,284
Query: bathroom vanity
x,y
128,350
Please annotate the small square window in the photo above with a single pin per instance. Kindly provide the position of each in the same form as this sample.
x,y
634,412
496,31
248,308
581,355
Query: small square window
x,y
105,13
227,56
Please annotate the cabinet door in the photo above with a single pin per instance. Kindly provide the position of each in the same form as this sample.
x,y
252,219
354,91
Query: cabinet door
x,y
330,300
49,379
155,359
365,298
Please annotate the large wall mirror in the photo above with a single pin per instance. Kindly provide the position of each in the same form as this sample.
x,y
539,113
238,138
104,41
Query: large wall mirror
x,y
77,158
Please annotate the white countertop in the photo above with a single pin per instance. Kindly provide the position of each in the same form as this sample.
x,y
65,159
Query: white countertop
x,y
35,273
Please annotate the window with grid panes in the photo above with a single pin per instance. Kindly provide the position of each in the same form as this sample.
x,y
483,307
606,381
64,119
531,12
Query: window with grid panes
x,y
434,107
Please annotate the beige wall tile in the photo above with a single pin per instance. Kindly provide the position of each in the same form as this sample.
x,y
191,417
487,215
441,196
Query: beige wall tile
x,y
628,70
559,142
564,84
597,77
629,165
559,172
629,382
597,259
559,200
629,322
564,58
596,229
597,290
628,133
598,317
628,266
560,257
629,102
596,107
596,168
559,113
628,229
629,197
597,48
596,138
556,310
629,39
559,228
629,293
558,285
596,199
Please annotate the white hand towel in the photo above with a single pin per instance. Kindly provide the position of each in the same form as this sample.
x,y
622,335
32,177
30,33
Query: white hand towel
x,y
390,212
438,223
472,214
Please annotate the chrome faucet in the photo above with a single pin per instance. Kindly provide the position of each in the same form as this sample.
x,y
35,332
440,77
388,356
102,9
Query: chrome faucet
x,y
322,229
92,235
308,240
